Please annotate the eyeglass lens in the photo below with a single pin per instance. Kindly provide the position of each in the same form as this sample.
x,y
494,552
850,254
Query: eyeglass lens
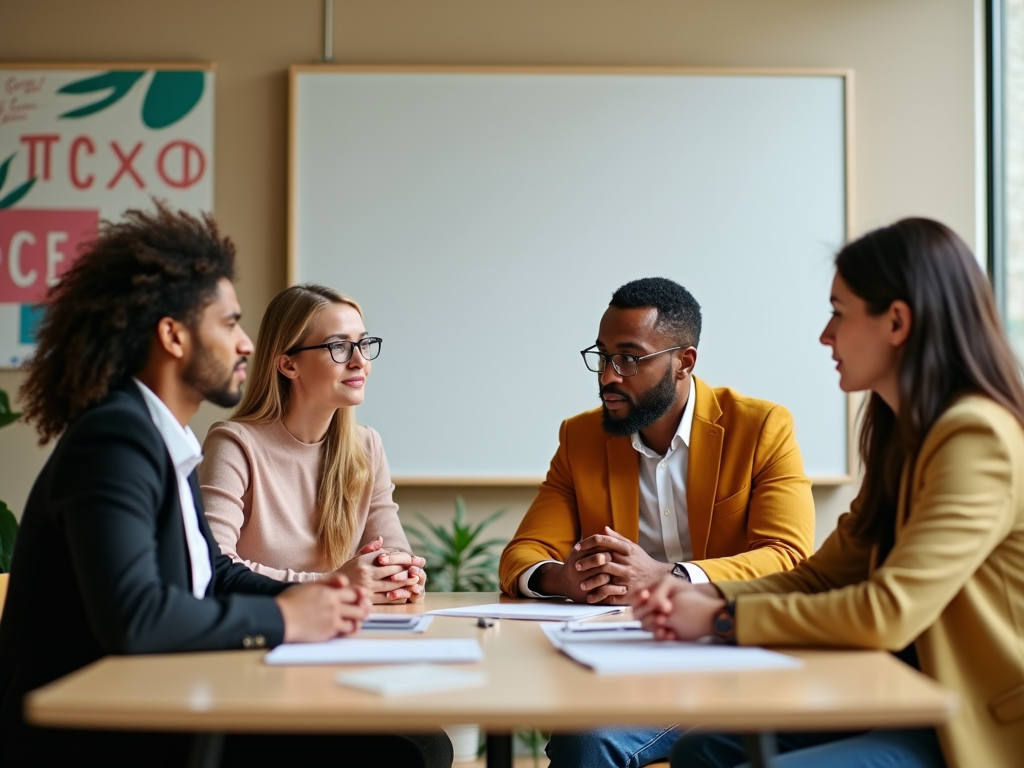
x,y
341,351
624,365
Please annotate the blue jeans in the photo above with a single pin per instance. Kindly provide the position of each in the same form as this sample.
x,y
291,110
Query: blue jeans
x,y
874,749
611,747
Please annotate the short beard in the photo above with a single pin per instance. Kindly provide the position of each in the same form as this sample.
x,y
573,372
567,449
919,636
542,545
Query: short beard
x,y
647,409
206,375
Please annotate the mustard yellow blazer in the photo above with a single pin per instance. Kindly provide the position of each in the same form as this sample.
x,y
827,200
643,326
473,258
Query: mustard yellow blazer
x,y
953,584
749,503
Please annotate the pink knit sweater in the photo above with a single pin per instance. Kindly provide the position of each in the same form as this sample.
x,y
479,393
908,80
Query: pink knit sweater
x,y
259,488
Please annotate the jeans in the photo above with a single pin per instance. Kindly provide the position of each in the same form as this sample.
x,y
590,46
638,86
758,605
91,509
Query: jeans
x,y
611,747
874,749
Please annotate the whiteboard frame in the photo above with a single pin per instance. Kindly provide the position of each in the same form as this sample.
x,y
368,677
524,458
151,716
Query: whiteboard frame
x,y
846,75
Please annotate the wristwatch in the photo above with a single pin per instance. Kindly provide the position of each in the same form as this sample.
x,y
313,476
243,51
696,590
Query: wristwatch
x,y
723,624
680,572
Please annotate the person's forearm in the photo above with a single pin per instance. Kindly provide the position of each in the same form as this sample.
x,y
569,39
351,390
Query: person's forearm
x,y
545,580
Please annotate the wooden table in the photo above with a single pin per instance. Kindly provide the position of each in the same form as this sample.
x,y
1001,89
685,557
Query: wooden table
x,y
530,684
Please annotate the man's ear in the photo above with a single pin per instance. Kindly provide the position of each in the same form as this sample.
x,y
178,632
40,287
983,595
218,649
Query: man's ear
x,y
901,320
173,337
688,359
286,367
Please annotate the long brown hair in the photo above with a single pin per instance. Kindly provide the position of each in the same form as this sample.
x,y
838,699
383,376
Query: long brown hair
x,y
101,317
344,465
956,345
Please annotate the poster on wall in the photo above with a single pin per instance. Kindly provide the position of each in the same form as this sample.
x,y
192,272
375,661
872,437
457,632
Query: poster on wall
x,y
79,144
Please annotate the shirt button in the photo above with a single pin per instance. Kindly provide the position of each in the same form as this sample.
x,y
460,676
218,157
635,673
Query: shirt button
x,y
662,465
666,513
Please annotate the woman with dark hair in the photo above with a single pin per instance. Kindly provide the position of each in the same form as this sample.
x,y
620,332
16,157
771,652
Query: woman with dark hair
x,y
929,562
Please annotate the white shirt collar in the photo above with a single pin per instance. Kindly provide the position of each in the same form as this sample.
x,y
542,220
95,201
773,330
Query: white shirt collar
x,y
682,431
181,442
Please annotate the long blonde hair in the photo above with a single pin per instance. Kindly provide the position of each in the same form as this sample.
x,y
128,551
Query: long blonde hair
x,y
344,464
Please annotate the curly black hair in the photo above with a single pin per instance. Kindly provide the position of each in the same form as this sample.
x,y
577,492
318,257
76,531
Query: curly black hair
x,y
100,318
678,312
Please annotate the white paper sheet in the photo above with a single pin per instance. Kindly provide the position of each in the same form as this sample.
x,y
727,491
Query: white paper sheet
x,y
407,679
531,611
614,659
350,650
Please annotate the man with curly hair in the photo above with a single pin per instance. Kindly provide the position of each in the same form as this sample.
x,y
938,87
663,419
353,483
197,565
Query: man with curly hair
x,y
114,554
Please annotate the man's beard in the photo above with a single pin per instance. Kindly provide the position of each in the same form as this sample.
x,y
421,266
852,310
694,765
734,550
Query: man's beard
x,y
206,374
644,411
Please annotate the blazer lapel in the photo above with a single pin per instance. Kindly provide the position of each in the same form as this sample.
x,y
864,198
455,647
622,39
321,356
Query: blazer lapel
x,y
624,487
706,439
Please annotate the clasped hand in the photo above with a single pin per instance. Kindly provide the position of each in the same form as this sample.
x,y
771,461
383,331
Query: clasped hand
x,y
607,568
321,610
389,575
675,609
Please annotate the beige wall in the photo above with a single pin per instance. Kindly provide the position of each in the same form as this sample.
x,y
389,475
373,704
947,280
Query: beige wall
x,y
915,106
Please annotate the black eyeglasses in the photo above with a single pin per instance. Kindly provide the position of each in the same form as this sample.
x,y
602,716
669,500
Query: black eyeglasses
x,y
341,351
624,365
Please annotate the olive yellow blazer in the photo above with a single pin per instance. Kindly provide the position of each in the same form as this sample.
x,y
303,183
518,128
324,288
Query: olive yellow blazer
x,y
953,584
749,503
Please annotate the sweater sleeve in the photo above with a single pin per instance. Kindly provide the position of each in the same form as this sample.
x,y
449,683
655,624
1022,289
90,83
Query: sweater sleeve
x,y
225,479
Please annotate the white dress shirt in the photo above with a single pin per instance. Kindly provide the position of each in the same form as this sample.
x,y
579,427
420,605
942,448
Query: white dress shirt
x,y
186,453
664,524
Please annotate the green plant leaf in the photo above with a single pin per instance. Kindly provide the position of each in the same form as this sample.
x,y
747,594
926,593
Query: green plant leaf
x,y
7,415
120,81
171,95
8,533
457,561
17,194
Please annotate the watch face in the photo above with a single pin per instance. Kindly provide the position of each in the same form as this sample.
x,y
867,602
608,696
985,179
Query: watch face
x,y
724,625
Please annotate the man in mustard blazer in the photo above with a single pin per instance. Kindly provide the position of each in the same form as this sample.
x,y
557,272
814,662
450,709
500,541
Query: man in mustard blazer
x,y
668,476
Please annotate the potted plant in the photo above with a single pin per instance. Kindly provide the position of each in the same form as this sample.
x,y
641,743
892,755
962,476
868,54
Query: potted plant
x,y
458,561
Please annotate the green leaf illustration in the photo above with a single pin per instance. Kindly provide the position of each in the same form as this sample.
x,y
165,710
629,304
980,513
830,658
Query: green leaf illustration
x,y
17,194
121,81
3,170
171,95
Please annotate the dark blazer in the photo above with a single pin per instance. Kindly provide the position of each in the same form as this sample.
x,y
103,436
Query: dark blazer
x,y
101,564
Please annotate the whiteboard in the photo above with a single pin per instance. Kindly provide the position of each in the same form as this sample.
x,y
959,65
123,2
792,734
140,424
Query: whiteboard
x,y
483,220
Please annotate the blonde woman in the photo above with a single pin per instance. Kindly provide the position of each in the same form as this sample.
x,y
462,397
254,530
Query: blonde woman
x,y
293,487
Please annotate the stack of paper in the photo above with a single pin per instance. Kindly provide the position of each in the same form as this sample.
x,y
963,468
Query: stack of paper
x,y
559,611
397,622
349,650
611,657
596,632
